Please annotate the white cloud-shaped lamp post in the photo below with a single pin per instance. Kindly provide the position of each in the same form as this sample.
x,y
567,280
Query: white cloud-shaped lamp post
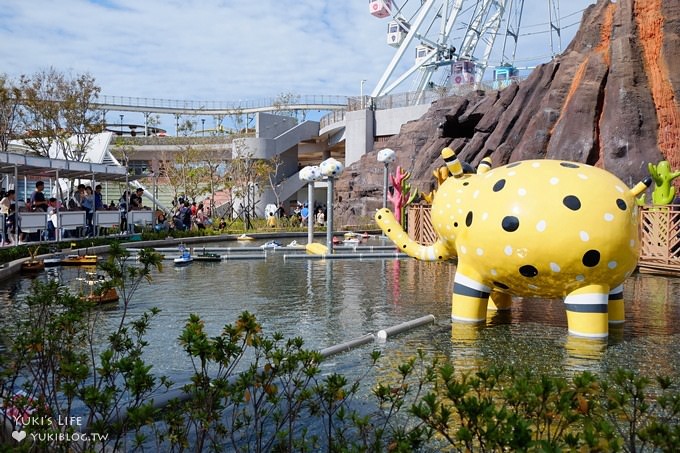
x,y
331,169
386,156
309,174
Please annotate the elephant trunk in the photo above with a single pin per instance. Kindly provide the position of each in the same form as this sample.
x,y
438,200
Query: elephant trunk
x,y
438,251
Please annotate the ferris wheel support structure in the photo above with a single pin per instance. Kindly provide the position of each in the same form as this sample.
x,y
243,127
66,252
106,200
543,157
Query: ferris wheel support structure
x,y
483,25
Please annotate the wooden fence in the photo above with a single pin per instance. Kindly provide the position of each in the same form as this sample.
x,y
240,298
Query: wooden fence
x,y
419,226
660,239
659,236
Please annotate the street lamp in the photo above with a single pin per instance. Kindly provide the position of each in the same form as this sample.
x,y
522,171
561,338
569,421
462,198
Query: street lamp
x,y
386,156
121,124
331,169
361,91
309,174
202,127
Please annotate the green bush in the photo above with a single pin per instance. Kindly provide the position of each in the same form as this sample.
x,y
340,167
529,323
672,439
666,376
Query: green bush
x,y
250,391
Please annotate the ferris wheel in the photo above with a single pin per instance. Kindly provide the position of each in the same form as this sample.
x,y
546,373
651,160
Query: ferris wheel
x,y
454,41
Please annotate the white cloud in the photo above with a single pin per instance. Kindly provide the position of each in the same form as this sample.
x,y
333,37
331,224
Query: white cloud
x,y
216,50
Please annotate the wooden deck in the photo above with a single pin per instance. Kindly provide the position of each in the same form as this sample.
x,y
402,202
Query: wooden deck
x,y
659,236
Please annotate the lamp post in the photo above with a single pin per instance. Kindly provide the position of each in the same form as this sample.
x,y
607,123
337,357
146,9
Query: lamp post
x,y
361,93
202,127
331,169
386,156
121,124
310,174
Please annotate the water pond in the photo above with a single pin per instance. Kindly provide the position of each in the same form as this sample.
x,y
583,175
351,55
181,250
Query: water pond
x,y
331,301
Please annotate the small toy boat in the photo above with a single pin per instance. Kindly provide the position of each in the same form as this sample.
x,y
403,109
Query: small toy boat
x,y
108,296
79,260
32,265
351,241
350,235
184,259
293,244
208,256
97,296
271,245
244,237
54,260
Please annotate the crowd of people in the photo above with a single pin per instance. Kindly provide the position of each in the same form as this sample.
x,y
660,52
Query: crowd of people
x,y
84,198
185,215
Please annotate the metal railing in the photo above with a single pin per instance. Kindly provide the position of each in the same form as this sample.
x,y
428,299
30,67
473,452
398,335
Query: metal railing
x,y
301,102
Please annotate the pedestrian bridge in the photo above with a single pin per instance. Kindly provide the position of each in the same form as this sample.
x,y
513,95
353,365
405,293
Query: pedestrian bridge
x,y
220,108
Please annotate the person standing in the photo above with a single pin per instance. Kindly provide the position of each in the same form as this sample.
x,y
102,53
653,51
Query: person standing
x,y
87,202
38,204
320,217
7,205
123,208
38,201
201,218
136,199
52,219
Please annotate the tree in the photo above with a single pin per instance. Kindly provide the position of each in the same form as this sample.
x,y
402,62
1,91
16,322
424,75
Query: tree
x,y
246,176
186,128
58,110
184,171
283,102
213,160
10,98
275,164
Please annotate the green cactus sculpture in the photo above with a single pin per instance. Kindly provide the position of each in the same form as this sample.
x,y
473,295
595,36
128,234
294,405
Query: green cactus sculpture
x,y
664,191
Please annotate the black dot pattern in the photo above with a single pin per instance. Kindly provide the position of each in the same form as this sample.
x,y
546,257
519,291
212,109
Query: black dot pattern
x,y
591,258
568,165
528,270
468,219
499,185
621,204
466,183
572,202
510,223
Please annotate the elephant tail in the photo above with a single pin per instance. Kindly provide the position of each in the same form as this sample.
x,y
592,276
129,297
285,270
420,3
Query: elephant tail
x,y
438,251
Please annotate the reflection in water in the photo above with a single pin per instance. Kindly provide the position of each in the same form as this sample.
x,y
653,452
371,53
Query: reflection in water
x,y
329,302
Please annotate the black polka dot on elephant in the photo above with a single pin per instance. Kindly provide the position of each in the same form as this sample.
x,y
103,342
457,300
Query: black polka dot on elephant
x,y
528,270
510,223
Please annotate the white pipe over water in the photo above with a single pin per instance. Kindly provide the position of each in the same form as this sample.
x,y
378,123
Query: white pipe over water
x,y
177,392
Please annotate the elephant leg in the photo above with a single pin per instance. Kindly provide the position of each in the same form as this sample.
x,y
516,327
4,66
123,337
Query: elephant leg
x,y
617,313
500,301
469,300
587,311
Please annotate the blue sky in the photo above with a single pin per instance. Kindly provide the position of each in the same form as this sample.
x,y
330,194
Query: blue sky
x,y
221,50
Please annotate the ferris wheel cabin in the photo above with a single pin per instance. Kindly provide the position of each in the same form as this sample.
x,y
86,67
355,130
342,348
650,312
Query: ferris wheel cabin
x,y
396,32
380,8
504,75
463,72
422,53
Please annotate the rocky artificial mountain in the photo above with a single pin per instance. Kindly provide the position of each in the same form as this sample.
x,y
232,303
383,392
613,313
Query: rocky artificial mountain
x,y
609,100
